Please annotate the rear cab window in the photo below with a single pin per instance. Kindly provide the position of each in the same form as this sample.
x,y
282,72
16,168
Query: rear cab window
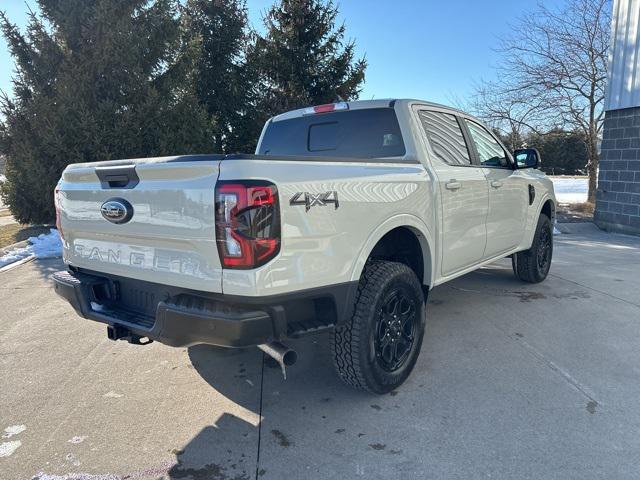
x,y
445,137
360,133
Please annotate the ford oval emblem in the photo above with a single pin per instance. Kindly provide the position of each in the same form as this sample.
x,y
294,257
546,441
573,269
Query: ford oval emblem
x,y
117,210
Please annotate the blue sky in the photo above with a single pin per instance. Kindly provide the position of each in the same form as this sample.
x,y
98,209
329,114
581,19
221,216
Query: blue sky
x,y
429,49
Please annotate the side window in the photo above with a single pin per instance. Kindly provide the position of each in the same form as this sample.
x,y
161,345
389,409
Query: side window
x,y
490,152
445,137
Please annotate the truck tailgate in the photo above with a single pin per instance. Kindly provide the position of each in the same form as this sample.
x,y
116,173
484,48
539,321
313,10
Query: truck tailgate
x,y
170,236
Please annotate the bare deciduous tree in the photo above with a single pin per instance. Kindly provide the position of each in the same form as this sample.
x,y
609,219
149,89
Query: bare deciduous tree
x,y
512,112
553,74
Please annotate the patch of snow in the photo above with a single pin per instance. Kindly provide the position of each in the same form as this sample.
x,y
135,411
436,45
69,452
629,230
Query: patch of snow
x,y
13,430
571,190
77,439
46,245
156,472
556,231
71,458
112,394
8,448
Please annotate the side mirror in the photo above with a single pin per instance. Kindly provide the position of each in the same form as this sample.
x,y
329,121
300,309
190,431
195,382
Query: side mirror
x,y
527,158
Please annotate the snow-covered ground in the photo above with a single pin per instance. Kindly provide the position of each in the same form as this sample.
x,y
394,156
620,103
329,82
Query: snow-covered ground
x,y
570,189
46,245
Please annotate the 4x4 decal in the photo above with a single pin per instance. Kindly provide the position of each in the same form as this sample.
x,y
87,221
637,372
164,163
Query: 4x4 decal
x,y
315,199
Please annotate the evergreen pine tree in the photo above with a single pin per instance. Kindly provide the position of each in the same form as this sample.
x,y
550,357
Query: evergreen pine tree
x,y
221,77
303,58
95,80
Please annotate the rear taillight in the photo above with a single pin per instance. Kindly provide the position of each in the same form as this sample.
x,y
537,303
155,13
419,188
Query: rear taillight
x,y
56,201
247,223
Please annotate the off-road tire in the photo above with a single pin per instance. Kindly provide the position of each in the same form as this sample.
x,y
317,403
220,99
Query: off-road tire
x,y
527,265
353,345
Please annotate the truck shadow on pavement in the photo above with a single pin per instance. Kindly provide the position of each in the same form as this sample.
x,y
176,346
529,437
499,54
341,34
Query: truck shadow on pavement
x,y
311,390
211,455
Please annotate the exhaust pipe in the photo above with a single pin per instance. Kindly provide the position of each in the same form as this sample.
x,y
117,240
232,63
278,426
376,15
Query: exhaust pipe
x,y
281,354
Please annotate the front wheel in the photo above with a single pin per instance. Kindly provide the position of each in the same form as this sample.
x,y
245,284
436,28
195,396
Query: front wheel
x,y
377,348
533,265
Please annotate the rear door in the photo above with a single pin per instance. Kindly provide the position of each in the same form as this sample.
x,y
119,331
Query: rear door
x,y
508,192
169,236
463,189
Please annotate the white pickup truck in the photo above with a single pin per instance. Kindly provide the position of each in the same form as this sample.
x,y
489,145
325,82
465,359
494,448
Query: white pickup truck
x,y
344,219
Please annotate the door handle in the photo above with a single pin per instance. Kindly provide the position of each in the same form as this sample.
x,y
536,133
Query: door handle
x,y
452,185
496,184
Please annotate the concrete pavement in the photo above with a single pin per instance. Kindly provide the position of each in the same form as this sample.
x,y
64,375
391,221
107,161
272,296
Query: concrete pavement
x,y
514,381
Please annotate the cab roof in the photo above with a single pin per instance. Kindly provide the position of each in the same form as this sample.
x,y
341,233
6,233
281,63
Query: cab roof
x,y
362,104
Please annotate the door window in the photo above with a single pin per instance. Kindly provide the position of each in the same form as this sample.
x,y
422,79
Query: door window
x,y
445,137
490,152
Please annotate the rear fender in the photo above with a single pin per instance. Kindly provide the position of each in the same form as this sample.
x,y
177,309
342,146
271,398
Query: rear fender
x,y
404,220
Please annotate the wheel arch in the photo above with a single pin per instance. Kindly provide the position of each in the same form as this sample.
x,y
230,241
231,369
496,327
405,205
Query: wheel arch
x,y
547,206
403,238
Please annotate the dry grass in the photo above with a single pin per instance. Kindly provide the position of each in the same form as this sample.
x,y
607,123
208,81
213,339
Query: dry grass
x,y
574,177
575,212
5,213
585,207
13,233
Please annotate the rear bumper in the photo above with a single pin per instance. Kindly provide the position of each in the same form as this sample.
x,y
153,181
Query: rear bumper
x,y
185,317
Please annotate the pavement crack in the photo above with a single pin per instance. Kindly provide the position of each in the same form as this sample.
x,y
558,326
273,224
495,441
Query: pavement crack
x,y
557,369
260,418
549,364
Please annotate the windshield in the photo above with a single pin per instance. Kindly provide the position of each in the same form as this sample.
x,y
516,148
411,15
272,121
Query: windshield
x,y
364,133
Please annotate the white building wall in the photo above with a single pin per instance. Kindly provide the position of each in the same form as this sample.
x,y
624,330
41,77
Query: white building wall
x,y
623,89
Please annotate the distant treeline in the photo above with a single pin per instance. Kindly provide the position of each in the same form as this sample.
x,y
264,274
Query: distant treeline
x,y
562,152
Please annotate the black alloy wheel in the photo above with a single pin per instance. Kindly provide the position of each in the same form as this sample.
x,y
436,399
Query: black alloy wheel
x,y
395,330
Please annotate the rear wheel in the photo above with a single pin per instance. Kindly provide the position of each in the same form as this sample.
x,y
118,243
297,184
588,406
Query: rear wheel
x,y
533,265
377,348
